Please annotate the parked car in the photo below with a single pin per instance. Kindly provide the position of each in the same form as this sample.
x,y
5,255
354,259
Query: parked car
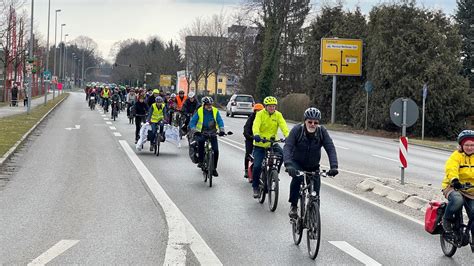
x,y
240,104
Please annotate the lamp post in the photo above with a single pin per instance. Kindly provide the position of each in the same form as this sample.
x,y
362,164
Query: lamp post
x,y
30,55
61,54
55,33
65,58
82,70
47,55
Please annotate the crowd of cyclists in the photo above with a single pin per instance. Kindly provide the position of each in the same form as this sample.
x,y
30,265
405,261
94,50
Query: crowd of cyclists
x,y
301,151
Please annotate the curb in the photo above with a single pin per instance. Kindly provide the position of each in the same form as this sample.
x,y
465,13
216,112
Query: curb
x,y
13,149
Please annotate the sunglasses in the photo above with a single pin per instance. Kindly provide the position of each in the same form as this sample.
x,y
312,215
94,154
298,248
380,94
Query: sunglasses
x,y
312,122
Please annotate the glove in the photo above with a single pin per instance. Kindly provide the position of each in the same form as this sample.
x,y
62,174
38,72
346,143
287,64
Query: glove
x,y
221,133
456,184
257,138
333,172
291,171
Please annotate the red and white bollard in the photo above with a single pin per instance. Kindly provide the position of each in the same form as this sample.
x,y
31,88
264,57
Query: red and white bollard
x,y
403,154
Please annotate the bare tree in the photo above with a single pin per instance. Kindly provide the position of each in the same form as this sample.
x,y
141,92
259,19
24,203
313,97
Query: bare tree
x,y
193,51
217,30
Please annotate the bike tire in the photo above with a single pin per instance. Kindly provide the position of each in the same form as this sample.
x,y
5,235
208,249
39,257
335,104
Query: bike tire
x,y
210,167
298,225
313,233
158,140
447,248
262,187
273,190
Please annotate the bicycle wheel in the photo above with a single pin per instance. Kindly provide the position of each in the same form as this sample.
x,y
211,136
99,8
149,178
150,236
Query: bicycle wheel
x,y
273,190
448,248
297,224
210,167
262,187
157,145
313,234
204,168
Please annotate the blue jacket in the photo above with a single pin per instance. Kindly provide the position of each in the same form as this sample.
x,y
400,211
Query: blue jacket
x,y
207,118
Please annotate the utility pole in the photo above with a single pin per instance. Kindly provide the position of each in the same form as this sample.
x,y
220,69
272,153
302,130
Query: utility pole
x,y
47,55
30,54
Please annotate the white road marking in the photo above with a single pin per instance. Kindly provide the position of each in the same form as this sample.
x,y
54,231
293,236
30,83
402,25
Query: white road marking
x,y
108,123
181,232
357,196
53,252
117,134
240,148
355,253
381,157
103,115
383,141
340,147
71,128
233,141
113,128
106,119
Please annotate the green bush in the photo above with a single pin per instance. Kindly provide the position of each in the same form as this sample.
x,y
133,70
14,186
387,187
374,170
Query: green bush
x,y
293,106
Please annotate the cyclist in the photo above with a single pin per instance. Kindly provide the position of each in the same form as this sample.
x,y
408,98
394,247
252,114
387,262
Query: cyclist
x,y
189,107
156,115
105,95
265,126
131,99
302,151
140,114
459,170
248,134
171,106
151,97
207,119
180,100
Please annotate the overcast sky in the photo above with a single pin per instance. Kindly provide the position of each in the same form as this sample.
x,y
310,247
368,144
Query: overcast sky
x,y
109,21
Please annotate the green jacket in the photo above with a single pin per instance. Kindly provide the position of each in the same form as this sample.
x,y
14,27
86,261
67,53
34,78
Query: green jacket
x,y
266,126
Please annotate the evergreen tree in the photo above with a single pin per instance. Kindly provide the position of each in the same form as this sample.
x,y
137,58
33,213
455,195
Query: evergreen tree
x,y
465,19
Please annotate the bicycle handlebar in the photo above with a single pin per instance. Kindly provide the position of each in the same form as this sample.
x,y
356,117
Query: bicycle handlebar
x,y
273,140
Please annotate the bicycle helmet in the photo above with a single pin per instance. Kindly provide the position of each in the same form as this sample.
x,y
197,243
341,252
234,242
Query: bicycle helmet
x,y
191,94
270,100
465,135
156,91
181,92
158,99
207,100
258,107
312,113
173,95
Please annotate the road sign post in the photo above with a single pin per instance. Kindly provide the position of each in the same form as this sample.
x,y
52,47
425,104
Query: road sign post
x,y
425,93
368,88
340,57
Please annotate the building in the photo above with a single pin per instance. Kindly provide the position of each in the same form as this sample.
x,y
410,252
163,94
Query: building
x,y
182,84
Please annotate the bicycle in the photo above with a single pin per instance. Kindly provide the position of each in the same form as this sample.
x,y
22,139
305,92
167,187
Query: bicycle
x,y
92,102
158,139
105,105
462,234
308,214
269,181
208,160
114,110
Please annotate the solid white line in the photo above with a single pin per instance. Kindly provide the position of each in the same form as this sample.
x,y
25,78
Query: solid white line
x,y
381,157
113,128
236,142
181,232
117,134
357,196
383,141
53,252
230,144
108,123
340,147
357,254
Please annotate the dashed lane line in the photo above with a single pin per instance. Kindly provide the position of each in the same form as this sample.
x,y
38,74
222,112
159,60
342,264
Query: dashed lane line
x,y
355,253
181,231
108,123
113,128
385,158
117,134
53,252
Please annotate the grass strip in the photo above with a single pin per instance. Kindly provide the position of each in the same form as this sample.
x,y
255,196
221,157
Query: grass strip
x,y
12,128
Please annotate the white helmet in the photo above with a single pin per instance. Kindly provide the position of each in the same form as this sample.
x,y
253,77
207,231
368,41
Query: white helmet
x,y
191,94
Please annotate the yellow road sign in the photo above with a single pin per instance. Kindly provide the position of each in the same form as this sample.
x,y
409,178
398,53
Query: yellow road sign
x,y
341,57
165,80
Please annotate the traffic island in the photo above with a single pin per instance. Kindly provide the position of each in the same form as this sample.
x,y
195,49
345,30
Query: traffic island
x,y
16,128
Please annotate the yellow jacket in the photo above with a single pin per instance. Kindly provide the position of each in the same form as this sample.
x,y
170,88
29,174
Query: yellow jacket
x,y
459,165
266,126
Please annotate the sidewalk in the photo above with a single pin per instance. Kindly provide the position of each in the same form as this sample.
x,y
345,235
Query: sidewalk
x,y
9,110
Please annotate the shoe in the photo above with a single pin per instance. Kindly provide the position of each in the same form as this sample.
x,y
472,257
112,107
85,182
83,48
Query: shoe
x,y
136,141
214,173
246,175
256,193
447,226
200,165
151,147
293,212
472,248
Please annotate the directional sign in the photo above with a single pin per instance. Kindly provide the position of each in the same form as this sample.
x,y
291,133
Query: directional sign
x,y
47,75
341,57
165,80
369,86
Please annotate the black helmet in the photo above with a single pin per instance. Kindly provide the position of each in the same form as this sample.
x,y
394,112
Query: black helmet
x,y
312,113
207,100
465,134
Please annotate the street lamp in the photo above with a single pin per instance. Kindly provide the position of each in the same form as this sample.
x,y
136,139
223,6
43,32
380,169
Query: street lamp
x,y
55,33
60,53
47,55
65,58
30,54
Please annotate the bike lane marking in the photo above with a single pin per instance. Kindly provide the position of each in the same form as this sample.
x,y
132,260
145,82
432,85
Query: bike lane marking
x,y
113,128
108,123
53,252
117,134
180,231
355,253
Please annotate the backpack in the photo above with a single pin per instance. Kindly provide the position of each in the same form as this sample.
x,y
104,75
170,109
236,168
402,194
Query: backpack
x,y
433,216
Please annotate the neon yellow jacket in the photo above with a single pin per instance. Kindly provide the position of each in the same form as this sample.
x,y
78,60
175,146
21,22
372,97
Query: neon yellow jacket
x,y
459,165
266,126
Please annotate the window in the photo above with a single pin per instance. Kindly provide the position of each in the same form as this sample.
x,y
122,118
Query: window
x,y
247,99
220,80
219,91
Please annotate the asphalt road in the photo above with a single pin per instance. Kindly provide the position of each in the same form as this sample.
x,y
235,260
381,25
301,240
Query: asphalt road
x,y
112,214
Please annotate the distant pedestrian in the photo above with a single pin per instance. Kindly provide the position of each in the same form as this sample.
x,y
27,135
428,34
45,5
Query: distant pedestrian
x,y
14,95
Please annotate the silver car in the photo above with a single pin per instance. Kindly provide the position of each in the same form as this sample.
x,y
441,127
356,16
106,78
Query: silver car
x,y
240,104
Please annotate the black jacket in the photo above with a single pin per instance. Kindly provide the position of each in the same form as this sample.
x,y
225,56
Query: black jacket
x,y
304,152
248,133
140,108
190,107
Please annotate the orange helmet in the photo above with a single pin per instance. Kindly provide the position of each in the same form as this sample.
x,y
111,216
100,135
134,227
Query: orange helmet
x,y
258,107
